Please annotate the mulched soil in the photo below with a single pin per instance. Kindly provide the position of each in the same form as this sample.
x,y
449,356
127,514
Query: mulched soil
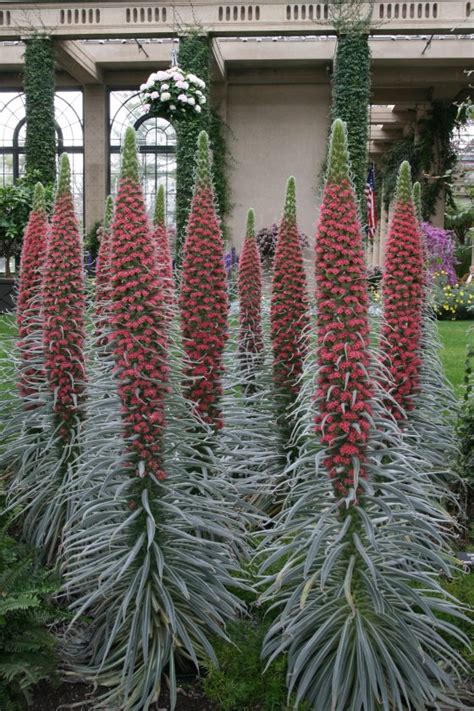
x,y
80,697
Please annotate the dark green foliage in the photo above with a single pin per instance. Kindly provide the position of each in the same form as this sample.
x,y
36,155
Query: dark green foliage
x,y
460,219
431,154
15,206
466,421
194,56
92,241
240,683
40,144
27,648
350,101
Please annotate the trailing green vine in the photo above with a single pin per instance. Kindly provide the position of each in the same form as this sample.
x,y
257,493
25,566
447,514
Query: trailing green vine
x,y
430,154
350,101
195,56
39,86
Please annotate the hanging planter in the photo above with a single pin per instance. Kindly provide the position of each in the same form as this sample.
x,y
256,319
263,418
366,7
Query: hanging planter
x,y
174,93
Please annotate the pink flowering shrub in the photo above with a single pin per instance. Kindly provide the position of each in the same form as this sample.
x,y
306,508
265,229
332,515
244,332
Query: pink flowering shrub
x,y
28,312
63,310
402,287
162,243
250,293
289,303
138,336
344,391
203,298
440,251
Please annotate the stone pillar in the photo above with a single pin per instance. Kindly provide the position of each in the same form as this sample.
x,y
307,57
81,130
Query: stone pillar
x,y
95,153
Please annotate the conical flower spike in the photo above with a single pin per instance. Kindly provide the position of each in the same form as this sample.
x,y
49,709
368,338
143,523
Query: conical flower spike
x,y
63,310
403,296
417,201
203,298
289,304
102,282
163,252
343,390
138,332
28,312
250,293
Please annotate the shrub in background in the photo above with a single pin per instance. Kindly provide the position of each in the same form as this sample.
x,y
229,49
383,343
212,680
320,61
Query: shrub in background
x,y
266,242
440,251
15,206
452,302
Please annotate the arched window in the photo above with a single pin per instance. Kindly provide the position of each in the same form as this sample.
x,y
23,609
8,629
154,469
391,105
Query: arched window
x,y
156,140
69,137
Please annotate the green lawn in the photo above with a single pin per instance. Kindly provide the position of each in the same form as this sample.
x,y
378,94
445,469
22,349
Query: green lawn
x,y
455,336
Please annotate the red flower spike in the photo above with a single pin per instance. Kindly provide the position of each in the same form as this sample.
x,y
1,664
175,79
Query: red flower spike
x,y
162,242
203,297
63,310
250,294
138,334
102,272
289,304
344,391
28,312
402,287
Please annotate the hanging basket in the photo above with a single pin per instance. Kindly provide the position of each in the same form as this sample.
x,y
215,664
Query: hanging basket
x,y
174,93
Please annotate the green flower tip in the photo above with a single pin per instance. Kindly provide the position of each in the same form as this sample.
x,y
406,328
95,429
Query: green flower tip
x,y
159,217
404,189
38,198
203,159
290,201
417,199
64,177
338,158
129,156
108,212
250,232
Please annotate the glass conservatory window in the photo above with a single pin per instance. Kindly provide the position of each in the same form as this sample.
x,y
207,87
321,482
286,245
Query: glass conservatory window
x,y
68,110
156,140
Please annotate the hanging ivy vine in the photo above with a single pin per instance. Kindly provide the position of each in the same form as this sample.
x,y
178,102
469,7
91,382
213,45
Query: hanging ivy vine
x,y
39,86
195,56
430,153
351,98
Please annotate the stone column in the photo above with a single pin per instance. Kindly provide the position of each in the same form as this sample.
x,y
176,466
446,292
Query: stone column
x,y
95,152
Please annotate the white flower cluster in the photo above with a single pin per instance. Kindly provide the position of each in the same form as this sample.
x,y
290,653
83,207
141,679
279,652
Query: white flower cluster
x,y
175,91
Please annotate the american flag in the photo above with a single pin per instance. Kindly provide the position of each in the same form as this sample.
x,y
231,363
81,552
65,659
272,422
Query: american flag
x,y
370,197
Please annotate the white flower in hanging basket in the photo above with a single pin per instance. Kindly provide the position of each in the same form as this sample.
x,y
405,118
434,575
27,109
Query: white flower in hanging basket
x,y
173,92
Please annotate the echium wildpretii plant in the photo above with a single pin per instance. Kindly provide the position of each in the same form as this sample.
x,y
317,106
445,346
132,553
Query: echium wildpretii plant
x,y
162,242
203,296
344,391
289,303
403,293
63,311
250,297
353,565
138,334
156,594
28,312
102,272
